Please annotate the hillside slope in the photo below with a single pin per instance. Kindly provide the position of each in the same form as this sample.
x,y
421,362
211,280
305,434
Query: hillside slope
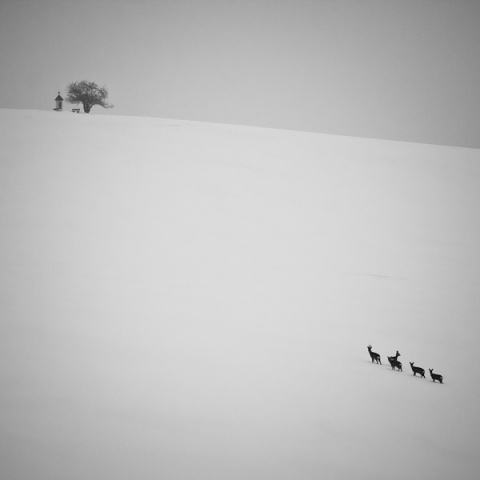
x,y
185,301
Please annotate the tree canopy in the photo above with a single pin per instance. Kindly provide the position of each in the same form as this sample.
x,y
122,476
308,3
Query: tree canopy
x,y
88,94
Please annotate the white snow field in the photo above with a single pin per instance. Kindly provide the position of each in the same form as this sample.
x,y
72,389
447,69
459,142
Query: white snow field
x,y
192,301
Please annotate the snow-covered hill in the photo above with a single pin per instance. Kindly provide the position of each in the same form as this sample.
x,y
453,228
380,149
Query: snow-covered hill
x,y
190,301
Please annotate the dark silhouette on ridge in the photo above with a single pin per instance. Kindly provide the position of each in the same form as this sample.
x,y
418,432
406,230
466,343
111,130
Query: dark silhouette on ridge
x,y
436,376
375,356
394,362
418,370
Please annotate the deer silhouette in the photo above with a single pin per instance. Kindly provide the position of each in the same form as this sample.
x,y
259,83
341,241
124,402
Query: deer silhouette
x,y
394,362
375,356
436,376
418,370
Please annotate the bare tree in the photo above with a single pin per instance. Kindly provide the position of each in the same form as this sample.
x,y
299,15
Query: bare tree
x,y
87,93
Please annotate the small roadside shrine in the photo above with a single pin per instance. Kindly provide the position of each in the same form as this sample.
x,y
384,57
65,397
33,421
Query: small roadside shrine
x,y
58,103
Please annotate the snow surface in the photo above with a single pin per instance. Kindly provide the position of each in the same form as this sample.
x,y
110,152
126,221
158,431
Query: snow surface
x,y
192,301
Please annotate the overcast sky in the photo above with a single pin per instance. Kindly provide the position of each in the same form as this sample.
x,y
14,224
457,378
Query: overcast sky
x,y
397,69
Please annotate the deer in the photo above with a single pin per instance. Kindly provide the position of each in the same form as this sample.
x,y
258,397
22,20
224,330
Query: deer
x,y
418,370
436,376
394,362
375,356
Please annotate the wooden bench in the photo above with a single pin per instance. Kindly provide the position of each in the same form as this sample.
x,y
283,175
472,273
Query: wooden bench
x,y
75,110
